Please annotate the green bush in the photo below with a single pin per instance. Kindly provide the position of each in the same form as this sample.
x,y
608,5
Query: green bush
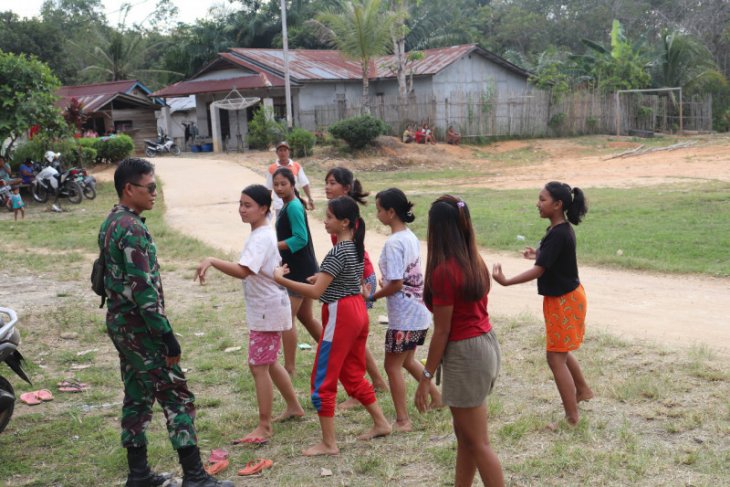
x,y
30,150
301,142
113,149
359,131
263,130
87,156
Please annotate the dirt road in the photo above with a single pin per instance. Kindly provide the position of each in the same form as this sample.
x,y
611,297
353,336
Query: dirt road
x,y
671,310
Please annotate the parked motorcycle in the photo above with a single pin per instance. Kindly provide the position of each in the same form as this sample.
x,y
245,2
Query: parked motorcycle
x,y
50,181
163,144
87,183
9,342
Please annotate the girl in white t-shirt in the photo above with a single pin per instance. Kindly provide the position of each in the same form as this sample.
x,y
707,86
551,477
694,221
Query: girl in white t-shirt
x,y
268,312
402,285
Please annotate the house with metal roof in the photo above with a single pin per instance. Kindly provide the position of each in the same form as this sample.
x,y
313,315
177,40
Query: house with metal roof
x,y
116,107
326,86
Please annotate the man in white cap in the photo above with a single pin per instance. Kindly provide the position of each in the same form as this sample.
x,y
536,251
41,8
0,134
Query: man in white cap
x,y
302,183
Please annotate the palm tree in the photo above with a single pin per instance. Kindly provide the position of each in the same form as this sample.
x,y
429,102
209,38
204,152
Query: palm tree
x,y
682,60
361,30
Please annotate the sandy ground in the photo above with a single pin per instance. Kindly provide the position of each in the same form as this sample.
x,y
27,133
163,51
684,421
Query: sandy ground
x,y
671,310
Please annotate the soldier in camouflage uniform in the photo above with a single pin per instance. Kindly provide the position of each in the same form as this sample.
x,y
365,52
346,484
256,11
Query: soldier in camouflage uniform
x,y
149,353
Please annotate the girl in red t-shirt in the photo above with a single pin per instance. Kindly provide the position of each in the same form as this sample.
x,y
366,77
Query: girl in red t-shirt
x,y
455,290
564,299
340,181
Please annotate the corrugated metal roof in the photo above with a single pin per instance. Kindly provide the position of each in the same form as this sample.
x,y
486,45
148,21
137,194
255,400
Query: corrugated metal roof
x,y
95,96
304,64
435,60
182,104
321,65
192,87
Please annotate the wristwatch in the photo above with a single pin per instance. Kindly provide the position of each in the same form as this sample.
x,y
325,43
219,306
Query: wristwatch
x,y
428,375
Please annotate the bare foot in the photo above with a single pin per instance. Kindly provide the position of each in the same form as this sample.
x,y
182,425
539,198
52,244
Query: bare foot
x,y
350,403
402,426
289,414
260,433
586,395
320,449
555,426
376,432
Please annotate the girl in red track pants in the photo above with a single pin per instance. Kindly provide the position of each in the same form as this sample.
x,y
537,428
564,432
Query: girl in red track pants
x,y
341,355
341,348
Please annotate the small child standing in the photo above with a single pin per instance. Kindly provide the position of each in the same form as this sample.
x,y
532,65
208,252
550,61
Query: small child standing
x,y
564,299
17,205
402,285
268,312
341,348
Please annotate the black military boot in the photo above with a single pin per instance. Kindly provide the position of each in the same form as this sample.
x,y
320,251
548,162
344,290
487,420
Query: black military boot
x,y
140,474
194,475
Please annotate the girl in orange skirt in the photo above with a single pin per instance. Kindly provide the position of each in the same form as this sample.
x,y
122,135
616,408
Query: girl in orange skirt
x,y
564,299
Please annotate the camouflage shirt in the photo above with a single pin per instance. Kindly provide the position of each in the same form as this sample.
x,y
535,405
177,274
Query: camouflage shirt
x,y
132,274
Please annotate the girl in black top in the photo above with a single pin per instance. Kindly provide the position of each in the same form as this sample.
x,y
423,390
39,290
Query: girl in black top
x,y
297,252
564,299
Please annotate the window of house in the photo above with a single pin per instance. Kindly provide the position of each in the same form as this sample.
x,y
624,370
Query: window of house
x,y
122,125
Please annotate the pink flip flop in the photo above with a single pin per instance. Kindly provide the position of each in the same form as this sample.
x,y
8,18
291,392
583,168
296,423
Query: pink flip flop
x,y
44,395
30,398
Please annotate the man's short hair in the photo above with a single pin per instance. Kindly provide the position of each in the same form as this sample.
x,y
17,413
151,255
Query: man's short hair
x,y
131,170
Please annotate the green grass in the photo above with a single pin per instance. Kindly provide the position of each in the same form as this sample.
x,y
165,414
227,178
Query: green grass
x,y
673,228
660,417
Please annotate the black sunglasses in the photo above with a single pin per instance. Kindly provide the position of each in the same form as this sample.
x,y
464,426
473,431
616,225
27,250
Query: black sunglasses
x,y
151,188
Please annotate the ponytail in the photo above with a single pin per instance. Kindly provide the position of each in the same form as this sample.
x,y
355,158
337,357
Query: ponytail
x,y
344,177
574,202
395,199
358,236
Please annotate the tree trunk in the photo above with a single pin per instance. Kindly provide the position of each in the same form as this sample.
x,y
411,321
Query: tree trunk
x,y
365,108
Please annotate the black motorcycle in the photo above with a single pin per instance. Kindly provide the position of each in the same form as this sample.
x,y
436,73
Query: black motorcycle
x,y
87,182
9,354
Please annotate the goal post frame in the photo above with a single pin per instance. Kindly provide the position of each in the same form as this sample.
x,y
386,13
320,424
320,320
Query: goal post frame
x,y
647,90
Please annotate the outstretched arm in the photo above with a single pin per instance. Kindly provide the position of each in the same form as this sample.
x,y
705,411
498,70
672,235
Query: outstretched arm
x,y
528,275
233,269
320,282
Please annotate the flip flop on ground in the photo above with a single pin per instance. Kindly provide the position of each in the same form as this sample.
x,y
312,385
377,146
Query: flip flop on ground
x,y
256,466
216,467
30,398
36,397
251,441
72,385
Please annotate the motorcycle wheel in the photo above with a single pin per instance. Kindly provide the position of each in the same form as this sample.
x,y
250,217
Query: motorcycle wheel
x,y
175,149
6,405
89,192
149,152
39,193
74,192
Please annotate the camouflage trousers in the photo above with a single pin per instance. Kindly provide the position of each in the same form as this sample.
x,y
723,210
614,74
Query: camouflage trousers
x,y
147,379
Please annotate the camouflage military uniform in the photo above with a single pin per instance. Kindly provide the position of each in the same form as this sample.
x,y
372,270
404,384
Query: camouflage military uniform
x,y
135,322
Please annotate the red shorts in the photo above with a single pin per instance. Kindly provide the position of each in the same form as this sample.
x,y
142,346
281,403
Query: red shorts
x,y
565,318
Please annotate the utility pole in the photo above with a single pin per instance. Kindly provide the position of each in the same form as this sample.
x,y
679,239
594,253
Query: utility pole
x,y
287,87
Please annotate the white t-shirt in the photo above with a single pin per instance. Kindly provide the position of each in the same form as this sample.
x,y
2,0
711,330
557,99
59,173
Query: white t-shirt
x,y
267,304
300,180
401,260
